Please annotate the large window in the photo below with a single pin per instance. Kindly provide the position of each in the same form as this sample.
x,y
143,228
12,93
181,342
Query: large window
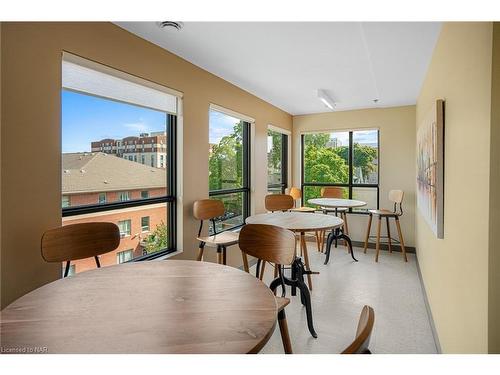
x,y
112,123
277,162
348,160
229,167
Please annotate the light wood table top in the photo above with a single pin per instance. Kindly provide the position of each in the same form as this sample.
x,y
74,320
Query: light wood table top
x,y
296,221
336,202
172,306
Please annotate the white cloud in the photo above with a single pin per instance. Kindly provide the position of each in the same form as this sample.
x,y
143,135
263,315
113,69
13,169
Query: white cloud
x,y
137,127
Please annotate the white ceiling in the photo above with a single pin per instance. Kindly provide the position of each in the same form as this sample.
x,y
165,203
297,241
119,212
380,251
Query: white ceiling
x,y
285,63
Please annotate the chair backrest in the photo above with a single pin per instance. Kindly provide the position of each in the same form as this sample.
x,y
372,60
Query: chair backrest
x,y
396,196
295,193
363,333
279,202
206,209
79,241
268,242
332,192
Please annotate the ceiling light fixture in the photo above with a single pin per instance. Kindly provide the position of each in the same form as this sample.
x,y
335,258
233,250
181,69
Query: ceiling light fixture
x,y
326,99
170,24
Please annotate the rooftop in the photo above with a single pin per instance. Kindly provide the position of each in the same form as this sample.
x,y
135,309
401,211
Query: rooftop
x,y
90,172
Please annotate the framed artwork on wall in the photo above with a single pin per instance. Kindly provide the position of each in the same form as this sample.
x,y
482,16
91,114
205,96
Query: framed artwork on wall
x,y
430,168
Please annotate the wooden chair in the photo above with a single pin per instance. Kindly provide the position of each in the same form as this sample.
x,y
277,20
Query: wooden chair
x,y
395,196
363,333
296,194
278,202
335,192
269,243
79,241
210,209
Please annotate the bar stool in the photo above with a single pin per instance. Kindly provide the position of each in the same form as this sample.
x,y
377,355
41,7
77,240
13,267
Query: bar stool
x,y
209,209
395,196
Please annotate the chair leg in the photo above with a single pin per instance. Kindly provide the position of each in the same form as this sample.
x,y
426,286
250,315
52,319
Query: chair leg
x,y
276,270
388,234
245,262
344,228
303,247
201,247
368,232
318,244
377,247
262,270
401,241
219,255
285,337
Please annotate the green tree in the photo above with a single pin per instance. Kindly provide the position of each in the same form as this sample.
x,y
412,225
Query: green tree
x,y
322,164
363,157
226,168
274,157
157,240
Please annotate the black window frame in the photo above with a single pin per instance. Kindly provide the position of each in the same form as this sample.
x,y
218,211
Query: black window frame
x,y
350,185
284,164
170,199
246,168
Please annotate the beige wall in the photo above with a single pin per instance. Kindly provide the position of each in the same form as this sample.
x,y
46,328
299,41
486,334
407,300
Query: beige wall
x,y
397,156
494,256
31,82
455,269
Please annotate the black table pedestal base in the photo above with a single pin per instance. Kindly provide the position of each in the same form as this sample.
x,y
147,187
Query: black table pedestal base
x,y
297,281
335,235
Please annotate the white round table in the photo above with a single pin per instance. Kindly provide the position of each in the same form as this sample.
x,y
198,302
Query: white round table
x,y
337,203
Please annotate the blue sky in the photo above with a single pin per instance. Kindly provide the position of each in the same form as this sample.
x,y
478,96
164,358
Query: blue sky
x,y
360,136
87,118
220,126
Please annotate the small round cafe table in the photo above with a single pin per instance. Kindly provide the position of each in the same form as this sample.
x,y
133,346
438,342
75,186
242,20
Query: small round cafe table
x,y
170,306
337,203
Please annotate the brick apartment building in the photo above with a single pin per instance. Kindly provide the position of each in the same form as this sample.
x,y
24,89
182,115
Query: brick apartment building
x,y
148,149
98,178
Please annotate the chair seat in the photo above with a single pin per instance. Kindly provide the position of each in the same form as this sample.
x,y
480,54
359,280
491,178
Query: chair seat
x,y
382,212
282,302
303,209
225,238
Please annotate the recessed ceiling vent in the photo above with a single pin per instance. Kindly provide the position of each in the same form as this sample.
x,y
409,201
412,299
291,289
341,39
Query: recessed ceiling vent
x,y
170,24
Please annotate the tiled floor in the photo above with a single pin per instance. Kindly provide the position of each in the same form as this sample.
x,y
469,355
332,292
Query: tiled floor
x,y
391,287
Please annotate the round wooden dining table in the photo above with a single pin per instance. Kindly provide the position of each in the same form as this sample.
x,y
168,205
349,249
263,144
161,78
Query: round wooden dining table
x,y
171,306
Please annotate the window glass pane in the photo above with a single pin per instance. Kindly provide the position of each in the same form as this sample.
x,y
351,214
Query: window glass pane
x,y
311,192
365,157
225,152
102,198
233,204
326,157
124,256
144,194
274,157
65,201
141,243
274,190
365,194
145,223
102,144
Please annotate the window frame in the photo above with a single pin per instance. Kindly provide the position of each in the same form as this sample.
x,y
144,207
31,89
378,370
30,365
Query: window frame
x,y
350,185
284,162
246,171
170,199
